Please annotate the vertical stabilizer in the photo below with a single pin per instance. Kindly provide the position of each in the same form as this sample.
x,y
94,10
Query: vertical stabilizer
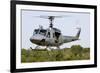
x,y
78,33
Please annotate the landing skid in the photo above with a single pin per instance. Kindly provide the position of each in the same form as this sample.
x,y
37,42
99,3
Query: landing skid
x,y
48,49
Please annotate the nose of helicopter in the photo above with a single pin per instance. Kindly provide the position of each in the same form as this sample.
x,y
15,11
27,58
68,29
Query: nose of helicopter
x,y
31,39
35,39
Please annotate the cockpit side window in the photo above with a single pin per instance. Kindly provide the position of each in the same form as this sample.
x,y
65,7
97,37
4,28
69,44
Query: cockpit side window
x,y
48,34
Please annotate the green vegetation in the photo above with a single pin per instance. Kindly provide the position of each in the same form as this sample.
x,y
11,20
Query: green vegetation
x,y
76,52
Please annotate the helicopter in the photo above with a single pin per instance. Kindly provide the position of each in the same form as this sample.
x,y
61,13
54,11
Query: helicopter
x,y
51,37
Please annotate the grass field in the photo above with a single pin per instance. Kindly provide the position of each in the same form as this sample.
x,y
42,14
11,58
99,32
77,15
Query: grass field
x,y
76,52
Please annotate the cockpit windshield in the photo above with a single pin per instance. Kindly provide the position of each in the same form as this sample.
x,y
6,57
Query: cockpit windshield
x,y
40,31
35,31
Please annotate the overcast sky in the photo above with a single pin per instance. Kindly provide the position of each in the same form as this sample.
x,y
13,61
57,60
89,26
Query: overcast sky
x,y
67,24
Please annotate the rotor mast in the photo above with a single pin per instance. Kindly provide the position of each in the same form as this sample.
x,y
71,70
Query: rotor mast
x,y
51,18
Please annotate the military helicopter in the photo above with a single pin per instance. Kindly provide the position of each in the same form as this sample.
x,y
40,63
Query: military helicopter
x,y
51,37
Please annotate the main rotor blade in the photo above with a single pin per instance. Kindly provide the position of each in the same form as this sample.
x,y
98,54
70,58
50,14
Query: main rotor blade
x,y
48,17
